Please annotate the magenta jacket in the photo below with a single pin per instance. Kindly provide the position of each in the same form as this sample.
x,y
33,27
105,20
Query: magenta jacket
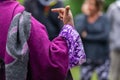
x,y
48,60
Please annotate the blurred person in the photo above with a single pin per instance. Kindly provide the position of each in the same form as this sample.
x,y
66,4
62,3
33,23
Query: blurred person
x,y
93,27
113,14
26,53
41,10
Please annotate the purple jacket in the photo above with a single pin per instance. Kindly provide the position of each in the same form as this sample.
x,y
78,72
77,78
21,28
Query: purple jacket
x,y
48,60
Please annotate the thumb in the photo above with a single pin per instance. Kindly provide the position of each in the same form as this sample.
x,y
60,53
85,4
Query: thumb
x,y
67,8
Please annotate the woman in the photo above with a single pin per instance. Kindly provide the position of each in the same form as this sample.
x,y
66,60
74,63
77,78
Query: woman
x,y
27,52
93,27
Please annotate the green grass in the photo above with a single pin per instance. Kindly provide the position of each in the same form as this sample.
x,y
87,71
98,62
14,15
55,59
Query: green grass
x,y
76,74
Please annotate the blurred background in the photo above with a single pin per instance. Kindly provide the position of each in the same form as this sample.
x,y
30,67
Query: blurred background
x,y
76,9
76,4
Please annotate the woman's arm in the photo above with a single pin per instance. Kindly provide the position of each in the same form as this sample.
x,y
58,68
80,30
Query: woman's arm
x,y
47,58
54,58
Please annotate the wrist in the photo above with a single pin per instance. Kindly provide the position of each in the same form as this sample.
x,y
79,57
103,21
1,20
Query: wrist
x,y
71,23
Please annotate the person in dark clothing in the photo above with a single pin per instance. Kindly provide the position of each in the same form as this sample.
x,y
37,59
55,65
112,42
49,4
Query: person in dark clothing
x,y
94,28
41,10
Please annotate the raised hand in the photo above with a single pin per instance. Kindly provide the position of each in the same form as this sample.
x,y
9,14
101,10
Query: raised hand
x,y
65,15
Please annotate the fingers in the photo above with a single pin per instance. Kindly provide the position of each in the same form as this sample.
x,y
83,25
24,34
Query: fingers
x,y
63,12
60,11
60,16
57,10
67,9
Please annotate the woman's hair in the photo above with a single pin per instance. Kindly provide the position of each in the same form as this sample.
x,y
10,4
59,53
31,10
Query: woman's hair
x,y
99,4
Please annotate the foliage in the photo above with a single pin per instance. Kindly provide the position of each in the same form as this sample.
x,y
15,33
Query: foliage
x,y
76,5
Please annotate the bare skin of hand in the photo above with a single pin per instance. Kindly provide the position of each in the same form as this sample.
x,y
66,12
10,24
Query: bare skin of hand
x,y
65,15
84,34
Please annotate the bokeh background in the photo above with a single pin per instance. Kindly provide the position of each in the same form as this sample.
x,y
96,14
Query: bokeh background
x,y
75,7
76,4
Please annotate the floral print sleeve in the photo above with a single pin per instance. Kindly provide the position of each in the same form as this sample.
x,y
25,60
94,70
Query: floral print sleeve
x,y
76,51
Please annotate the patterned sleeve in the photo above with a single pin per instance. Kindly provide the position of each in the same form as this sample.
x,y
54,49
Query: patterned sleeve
x,y
76,51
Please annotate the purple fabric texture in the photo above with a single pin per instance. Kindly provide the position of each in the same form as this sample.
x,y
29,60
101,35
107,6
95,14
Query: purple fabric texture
x,y
76,51
8,9
7,0
17,47
48,60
